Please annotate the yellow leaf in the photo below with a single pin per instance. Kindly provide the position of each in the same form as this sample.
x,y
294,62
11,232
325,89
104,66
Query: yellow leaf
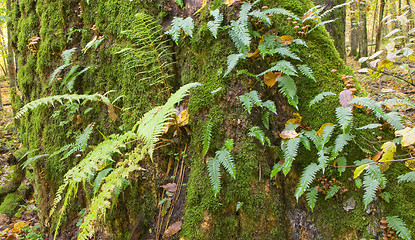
x,y
203,5
408,138
288,134
412,58
229,2
270,78
410,164
384,166
286,39
389,147
387,156
183,118
321,130
254,54
17,228
359,170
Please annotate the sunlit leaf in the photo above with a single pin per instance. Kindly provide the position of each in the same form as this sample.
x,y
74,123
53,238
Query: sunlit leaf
x,y
288,134
286,40
408,137
359,170
321,130
389,147
410,164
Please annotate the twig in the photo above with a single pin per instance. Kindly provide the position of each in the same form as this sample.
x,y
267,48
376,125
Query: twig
x,y
373,163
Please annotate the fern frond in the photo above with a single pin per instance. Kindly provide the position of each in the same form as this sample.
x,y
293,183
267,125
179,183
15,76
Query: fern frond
x,y
306,179
318,141
327,132
250,99
60,98
229,144
67,55
270,105
320,97
281,11
32,160
179,24
102,202
322,159
233,60
341,162
332,191
239,34
344,118
214,174
374,172
407,177
300,42
399,226
321,24
57,71
99,177
286,52
334,8
306,71
341,141
369,126
261,16
370,186
256,132
214,25
311,197
369,103
398,102
207,135
151,125
265,119
395,120
289,89
281,66
224,157
290,149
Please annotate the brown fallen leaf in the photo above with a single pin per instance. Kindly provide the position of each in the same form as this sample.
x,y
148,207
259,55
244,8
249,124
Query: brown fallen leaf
x,y
270,78
173,229
288,134
286,39
111,112
345,97
171,187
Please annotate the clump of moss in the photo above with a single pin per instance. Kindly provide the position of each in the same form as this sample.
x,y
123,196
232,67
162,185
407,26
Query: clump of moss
x,y
11,204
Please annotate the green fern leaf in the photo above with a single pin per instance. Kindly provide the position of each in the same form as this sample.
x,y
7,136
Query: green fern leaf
x,y
214,174
276,169
99,177
32,160
311,197
322,159
321,24
399,226
407,177
233,60
398,102
229,144
306,71
289,149
179,24
265,119
332,191
214,25
369,103
341,163
286,52
375,173
239,34
306,179
268,46
261,16
318,141
370,185
270,105
256,132
305,142
327,132
395,120
320,97
345,118
289,89
250,99
334,8
57,71
224,157
207,135
341,141
179,3
281,11
369,126
281,66
300,42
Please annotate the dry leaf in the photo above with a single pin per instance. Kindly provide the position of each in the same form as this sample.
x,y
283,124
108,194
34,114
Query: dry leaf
x,y
377,157
254,54
410,164
288,134
173,229
183,118
389,147
345,97
270,78
17,228
171,187
408,138
286,39
111,112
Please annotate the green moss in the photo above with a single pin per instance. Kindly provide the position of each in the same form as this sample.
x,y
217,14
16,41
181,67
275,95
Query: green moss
x,y
11,204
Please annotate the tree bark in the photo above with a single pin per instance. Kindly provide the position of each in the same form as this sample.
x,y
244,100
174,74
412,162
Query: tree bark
x,y
363,46
379,31
354,33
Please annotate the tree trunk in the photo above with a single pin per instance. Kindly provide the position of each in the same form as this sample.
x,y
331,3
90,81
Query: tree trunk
x,y
363,46
251,206
354,33
379,32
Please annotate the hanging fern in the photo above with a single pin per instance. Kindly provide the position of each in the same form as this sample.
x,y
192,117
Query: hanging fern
x,y
395,120
289,89
306,179
239,30
223,157
214,25
265,119
66,59
233,60
261,16
318,141
207,135
344,118
256,132
179,24
407,177
320,97
306,71
290,149
250,99
281,66
399,226
332,191
281,11
327,132
214,174
270,105
372,179
341,141
60,98
311,197
369,103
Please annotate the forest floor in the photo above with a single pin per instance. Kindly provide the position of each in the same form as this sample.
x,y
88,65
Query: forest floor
x,y
25,223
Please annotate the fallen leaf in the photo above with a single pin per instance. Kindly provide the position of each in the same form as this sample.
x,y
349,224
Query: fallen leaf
x,y
321,130
288,134
389,147
254,54
111,112
229,2
270,78
183,118
408,138
345,97
173,229
410,164
171,187
286,40
377,157
17,228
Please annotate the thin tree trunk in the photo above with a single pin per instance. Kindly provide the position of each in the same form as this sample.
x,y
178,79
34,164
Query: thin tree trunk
x,y
373,27
363,49
379,32
11,70
354,44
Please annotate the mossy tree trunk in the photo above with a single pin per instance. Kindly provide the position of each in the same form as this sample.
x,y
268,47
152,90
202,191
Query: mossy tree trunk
x,y
269,209
354,33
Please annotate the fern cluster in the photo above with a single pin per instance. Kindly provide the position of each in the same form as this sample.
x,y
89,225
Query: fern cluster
x,y
179,24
